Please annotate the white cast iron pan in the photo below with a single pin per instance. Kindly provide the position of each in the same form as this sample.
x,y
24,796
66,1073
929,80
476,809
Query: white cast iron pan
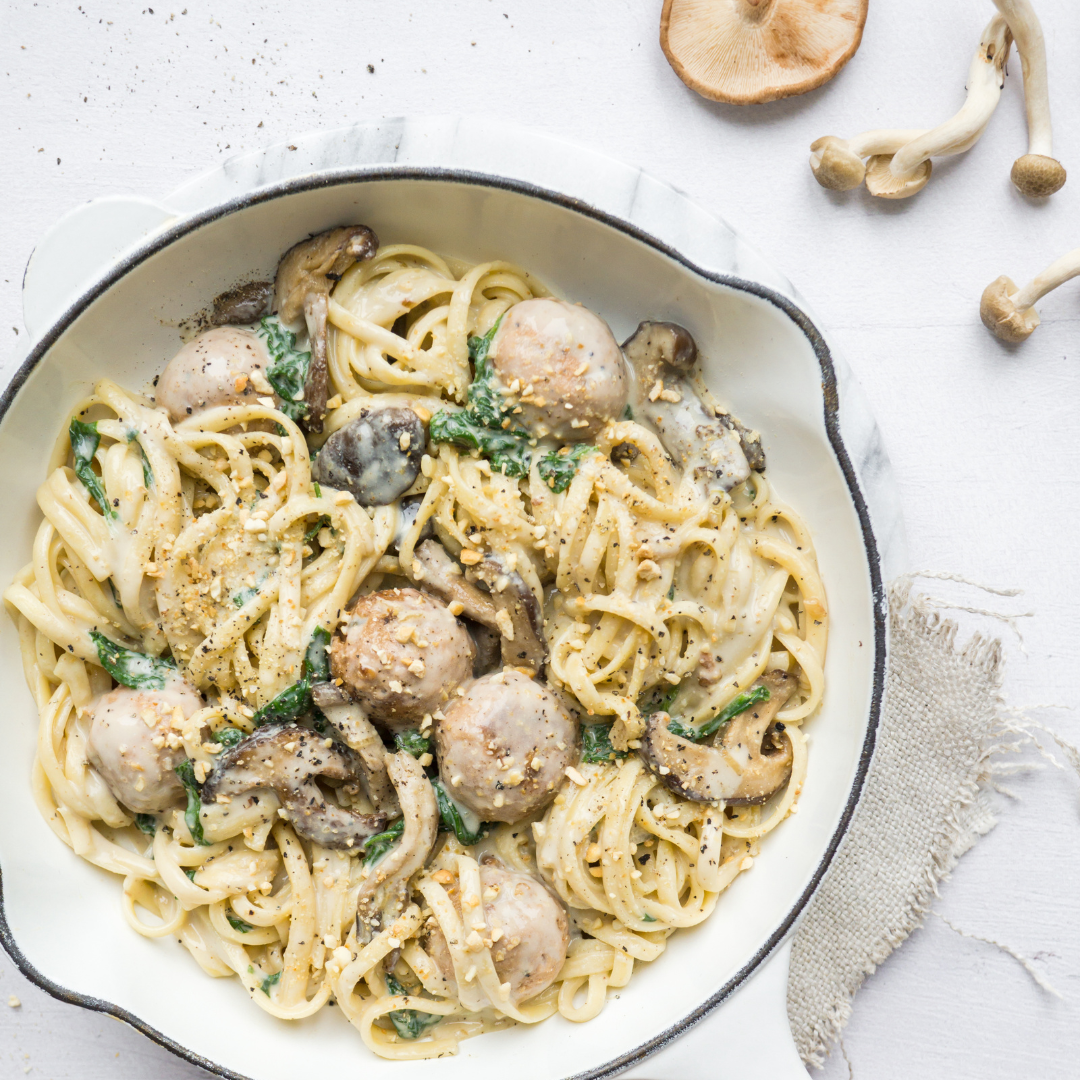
x,y
104,293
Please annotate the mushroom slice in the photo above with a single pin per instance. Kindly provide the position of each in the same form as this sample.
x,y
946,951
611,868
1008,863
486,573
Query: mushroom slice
x,y
306,274
706,446
745,51
244,304
437,573
1037,173
287,759
383,892
517,616
360,736
904,173
747,767
1009,312
375,456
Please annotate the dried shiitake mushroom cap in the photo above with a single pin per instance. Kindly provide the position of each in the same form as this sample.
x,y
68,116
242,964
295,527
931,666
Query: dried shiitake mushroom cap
x,y
744,51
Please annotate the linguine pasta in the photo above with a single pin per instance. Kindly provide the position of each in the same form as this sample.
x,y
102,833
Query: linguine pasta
x,y
192,584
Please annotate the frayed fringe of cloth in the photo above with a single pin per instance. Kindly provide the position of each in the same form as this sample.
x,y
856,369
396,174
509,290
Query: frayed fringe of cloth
x,y
946,739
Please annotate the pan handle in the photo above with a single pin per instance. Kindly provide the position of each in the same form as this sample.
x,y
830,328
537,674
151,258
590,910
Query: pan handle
x,y
79,248
747,1038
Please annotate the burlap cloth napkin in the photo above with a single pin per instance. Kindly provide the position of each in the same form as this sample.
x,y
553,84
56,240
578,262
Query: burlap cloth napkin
x,y
924,804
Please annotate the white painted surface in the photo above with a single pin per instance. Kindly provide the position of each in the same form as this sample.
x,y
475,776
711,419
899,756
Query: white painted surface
x,y
983,438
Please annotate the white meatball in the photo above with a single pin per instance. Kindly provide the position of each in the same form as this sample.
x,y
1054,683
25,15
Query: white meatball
x,y
532,927
124,727
504,746
213,369
564,366
401,654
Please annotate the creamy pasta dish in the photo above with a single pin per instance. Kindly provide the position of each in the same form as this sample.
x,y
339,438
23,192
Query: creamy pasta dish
x,y
412,646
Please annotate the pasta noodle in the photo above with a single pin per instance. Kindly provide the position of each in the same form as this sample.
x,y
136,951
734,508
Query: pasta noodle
x,y
212,548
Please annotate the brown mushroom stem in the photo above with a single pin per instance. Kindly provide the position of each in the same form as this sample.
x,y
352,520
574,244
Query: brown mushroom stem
x,y
1037,173
287,759
307,271
517,616
349,721
383,892
906,172
1009,312
316,386
434,571
707,445
752,761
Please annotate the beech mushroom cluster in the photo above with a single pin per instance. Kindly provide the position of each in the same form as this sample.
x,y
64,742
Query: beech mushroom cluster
x,y
896,163
1009,313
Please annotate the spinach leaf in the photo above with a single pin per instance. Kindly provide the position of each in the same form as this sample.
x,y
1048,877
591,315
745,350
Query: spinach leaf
x,y
412,741
485,401
453,819
85,441
130,668
147,472
508,451
596,744
288,369
288,707
186,771
270,981
740,703
480,425
316,658
557,469
244,595
658,699
238,924
375,847
147,823
409,1023
322,523
228,736
295,702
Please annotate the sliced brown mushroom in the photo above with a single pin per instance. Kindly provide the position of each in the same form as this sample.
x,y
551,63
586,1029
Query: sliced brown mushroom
x,y
306,274
243,304
375,456
287,759
360,736
487,643
750,763
384,891
517,616
435,572
745,51
709,445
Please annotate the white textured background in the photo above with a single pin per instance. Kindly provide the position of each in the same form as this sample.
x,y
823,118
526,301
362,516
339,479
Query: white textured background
x,y
108,97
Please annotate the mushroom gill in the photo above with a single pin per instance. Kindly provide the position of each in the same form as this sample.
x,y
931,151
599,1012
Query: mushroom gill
x,y
746,51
